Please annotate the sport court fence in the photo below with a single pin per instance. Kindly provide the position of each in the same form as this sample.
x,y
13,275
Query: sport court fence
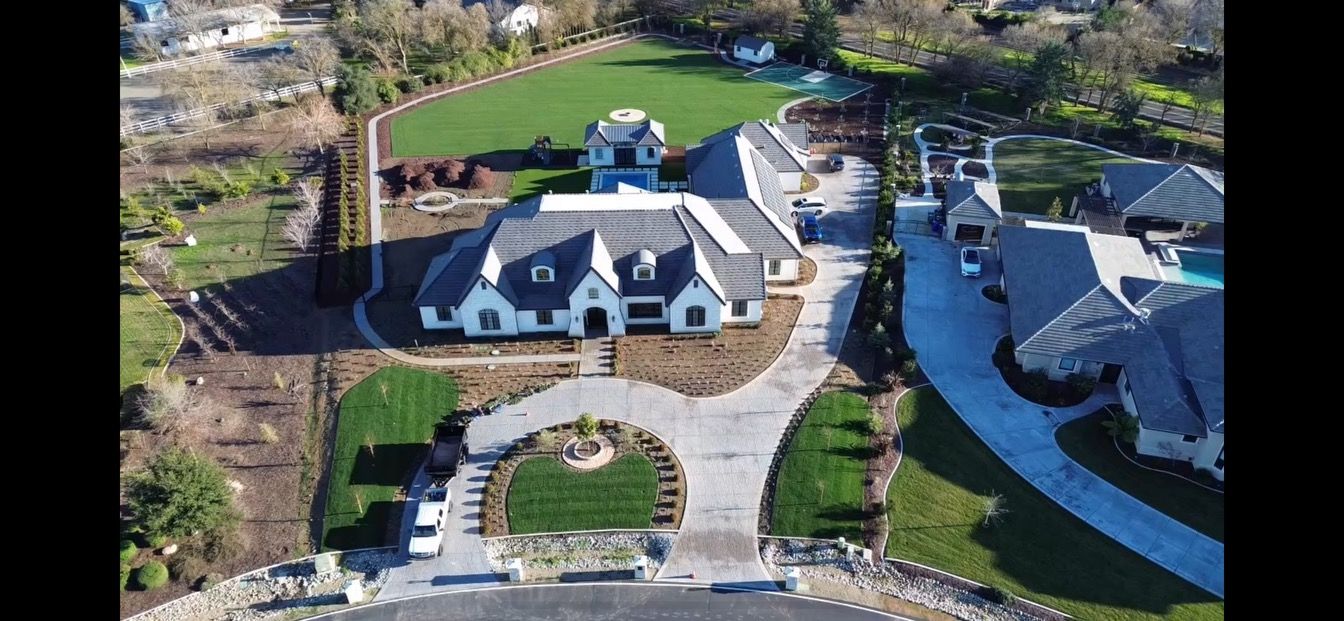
x,y
816,82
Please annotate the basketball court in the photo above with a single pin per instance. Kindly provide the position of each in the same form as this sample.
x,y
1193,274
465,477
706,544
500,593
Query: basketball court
x,y
815,82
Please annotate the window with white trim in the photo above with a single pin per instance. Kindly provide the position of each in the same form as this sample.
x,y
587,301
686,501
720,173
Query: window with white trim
x,y
1189,439
545,318
643,272
739,308
445,313
541,274
644,310
489,319
592,293
774,267
695,317
1068,364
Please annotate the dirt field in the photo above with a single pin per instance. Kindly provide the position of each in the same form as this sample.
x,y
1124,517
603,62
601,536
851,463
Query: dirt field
x,y
708,365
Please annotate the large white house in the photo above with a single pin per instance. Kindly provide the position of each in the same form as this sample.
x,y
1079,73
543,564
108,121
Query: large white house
x,y
625,144
521,19
587,264
1096,305
784,146
175,35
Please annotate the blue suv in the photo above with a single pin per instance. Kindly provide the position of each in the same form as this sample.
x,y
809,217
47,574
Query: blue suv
x,y
809,228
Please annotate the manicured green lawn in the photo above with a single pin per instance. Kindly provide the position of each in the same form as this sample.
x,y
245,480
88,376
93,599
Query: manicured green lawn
x,y
658,77
236,242
530,182
1031,173
1038,550
149,333
364,480
547,497
820,488
1086,442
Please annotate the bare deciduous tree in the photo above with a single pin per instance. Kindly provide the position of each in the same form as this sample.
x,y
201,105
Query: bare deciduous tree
x,y
871,17
446,23
301,225
167,400
950,32
127,17
308,191
316,57
317,121
146,47
389,28
158,257
912,21
769,16
1025,40
140,156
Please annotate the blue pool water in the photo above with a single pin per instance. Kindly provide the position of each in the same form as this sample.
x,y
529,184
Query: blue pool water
x,y
1201,268
637,179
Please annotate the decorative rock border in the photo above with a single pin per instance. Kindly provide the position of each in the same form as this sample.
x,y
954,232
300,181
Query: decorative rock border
x,y
554,555
419,204
670,503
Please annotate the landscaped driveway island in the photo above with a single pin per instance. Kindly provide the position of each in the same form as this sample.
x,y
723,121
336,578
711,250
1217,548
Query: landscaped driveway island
x,y
725,443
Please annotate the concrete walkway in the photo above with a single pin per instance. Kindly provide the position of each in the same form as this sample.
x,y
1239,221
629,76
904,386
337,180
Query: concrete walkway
x,y
955,329
725,443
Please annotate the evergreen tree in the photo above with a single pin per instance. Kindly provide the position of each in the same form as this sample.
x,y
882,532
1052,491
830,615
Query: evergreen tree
x,y
821,34
1045,79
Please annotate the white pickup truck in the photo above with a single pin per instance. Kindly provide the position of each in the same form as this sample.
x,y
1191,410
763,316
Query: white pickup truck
x,y
430,519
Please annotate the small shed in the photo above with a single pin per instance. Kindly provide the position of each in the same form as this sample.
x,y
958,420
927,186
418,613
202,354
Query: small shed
x,y
973,211
148,10
754,50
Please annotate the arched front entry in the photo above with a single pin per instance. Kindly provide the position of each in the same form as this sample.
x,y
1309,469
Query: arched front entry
x,y
595,322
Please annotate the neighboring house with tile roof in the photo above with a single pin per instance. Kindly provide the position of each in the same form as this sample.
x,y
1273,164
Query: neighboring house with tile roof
x,y
784,146
1182,193
1096,305
733,169
973,211
625,144
753,49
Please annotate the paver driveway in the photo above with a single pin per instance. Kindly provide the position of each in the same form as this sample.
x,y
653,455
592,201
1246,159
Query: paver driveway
x,y
954,329
725,443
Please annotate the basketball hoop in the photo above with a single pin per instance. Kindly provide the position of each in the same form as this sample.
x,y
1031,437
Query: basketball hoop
x,y
821,63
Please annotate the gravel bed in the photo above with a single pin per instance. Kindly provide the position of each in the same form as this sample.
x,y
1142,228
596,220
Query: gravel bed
x,y
278,591
882,577
592,552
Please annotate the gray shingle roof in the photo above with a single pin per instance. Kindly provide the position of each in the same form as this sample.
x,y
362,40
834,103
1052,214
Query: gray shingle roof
x,y
716,171
974,198
1064,292
752,43
1171,191
1196,315
569,235
778,149
772,191
601,134
795,132
755,228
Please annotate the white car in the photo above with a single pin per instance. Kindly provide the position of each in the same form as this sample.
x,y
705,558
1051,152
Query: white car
x,y
814,205
970,262
430,520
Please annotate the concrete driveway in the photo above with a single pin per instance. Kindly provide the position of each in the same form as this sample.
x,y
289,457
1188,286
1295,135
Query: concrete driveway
x,y
725,443
954,328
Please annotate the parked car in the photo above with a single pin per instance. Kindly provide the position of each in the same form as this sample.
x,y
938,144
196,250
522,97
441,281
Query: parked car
x,y
809,229
814,205
430,520
836,161
970,262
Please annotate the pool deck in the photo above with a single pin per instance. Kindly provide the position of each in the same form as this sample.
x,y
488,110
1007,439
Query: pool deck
x,y
651,184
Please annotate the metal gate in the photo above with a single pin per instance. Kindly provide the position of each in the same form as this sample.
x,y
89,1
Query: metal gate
x,y
912,227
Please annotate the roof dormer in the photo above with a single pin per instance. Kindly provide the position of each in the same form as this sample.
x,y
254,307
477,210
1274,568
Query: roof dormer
x,y
646,265
543,267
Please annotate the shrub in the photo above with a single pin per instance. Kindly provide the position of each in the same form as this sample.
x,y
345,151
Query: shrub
x,y
873,424
151,575
878,338
1035,385
279,177
425,182
1003,353
356,90
409,84
179,493
1082,385
476,63
909,369
125,576
185,567
451,171
481,177
235,189
128,551
208,581
438,74
388,91
156,540
1003,596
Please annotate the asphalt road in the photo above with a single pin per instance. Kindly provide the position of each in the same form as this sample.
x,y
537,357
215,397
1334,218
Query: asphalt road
x,y
1177,117
609,601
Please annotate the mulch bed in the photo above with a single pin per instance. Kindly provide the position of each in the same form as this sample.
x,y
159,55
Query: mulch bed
x,y
671,497
942,165
705,365
830,118
975,169
1058,394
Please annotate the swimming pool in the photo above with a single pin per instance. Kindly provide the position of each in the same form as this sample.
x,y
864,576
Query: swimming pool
x,y
1198,268
641,180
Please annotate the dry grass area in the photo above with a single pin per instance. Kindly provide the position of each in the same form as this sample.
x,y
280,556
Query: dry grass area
x,y
478,383
807,272
709,365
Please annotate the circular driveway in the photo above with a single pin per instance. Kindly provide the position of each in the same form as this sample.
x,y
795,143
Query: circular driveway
x,y
595,602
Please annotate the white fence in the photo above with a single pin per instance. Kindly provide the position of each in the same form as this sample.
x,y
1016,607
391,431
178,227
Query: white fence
x,y
588,32
271,95
191,60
